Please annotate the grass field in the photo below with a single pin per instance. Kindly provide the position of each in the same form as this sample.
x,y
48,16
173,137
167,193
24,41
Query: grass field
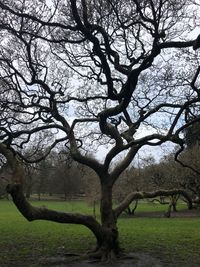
x,y
175,241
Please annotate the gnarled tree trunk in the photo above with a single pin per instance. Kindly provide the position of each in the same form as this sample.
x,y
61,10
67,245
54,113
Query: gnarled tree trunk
x,y
110,245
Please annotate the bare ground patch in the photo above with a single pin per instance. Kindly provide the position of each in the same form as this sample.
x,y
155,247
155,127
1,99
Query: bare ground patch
x,y
132,259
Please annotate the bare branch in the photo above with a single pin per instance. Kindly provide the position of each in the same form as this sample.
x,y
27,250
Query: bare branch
x,y
142,195
35,213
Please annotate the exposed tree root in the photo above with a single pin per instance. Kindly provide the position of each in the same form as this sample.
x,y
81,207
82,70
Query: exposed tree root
x,y
106,255
100,256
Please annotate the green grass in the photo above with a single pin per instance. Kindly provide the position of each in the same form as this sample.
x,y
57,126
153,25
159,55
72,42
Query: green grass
x,y
172,238
175,239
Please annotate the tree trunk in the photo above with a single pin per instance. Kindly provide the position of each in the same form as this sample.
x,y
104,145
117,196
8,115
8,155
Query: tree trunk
x,y
130,211
167,214
174,202
110,244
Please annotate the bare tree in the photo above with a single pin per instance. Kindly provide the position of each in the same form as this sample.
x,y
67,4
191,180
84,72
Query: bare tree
x,y
95,73
189,178
68,185
165,175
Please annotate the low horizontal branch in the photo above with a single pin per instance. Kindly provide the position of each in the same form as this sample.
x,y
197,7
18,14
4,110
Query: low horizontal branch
x,y
142,195
32,213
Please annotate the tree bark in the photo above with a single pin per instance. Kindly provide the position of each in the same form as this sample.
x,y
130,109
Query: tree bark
x,y
167,214
110,246
174,202
107,216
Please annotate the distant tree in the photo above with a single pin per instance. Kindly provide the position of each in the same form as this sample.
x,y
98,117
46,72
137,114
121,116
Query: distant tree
x,y
68,185
31,175
91,188
84,74
151,176
49,176
189,173
164,175
44,172
4,177
134,179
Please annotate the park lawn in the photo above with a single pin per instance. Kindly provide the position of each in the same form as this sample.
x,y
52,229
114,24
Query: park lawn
x,y
171,240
